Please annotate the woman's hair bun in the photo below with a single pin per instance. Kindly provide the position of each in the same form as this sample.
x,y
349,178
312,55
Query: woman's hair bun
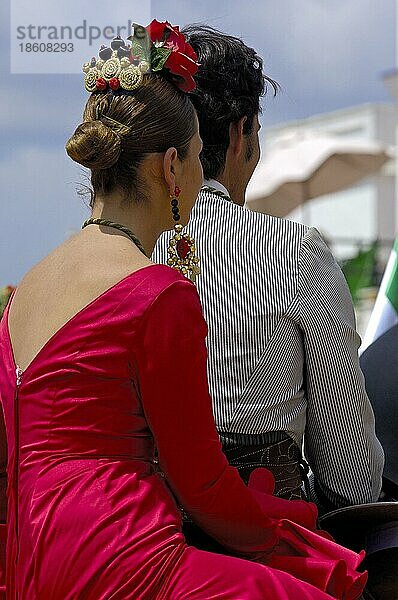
x,y
94,145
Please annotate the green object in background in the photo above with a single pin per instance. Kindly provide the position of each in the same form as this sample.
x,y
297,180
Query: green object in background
x,y
359,271
5,293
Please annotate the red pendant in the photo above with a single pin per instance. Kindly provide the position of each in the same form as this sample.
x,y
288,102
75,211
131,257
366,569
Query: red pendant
x,y
183,248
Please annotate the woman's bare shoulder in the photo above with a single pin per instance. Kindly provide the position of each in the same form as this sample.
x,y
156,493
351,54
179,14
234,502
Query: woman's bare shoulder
x,y
86,262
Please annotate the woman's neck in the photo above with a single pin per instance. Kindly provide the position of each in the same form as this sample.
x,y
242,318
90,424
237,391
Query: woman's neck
x,y
138,217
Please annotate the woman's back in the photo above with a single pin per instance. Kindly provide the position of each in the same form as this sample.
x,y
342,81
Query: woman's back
x,y
65,281
81,453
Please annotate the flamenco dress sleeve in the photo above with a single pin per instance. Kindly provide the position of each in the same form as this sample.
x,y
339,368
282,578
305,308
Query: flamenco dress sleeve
x,y
171,358
177,405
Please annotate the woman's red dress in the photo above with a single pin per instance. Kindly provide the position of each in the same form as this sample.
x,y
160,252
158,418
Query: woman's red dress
x,y
88,516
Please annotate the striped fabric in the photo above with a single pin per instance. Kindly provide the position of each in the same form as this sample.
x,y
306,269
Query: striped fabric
x,y
282,343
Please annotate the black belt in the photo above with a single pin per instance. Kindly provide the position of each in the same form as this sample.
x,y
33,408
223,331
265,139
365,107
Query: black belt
x,y
281,456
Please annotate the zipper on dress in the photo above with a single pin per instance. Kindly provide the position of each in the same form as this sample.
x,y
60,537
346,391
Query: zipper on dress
x,y
18,375
18,380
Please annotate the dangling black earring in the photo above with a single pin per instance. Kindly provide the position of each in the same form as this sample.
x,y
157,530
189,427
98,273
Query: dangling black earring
x,y
174,204
181,246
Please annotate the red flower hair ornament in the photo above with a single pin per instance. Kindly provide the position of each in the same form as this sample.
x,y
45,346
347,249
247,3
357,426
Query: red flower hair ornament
x,y
181,58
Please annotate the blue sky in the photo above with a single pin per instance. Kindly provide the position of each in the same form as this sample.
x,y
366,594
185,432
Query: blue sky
x,y
326,54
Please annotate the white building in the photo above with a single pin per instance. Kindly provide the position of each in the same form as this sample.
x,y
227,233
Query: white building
x,y
367,211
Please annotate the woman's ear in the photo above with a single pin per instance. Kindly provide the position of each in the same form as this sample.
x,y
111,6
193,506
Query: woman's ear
x,y
169,168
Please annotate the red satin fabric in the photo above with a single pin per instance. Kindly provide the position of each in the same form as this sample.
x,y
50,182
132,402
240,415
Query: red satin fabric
x,y
87,516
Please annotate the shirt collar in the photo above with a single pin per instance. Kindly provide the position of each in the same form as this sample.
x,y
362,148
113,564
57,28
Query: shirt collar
x,y
216,185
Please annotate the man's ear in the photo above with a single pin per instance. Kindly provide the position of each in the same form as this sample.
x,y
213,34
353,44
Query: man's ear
x,y
169,168
236,136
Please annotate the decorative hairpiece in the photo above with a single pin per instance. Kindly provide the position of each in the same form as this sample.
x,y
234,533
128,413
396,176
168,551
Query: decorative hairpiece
x,y
158,47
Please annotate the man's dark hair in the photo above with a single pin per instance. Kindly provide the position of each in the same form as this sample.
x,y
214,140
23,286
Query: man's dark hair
x,y
230,82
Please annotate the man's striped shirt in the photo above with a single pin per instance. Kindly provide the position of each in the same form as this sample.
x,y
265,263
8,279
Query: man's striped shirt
x,y
282,344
